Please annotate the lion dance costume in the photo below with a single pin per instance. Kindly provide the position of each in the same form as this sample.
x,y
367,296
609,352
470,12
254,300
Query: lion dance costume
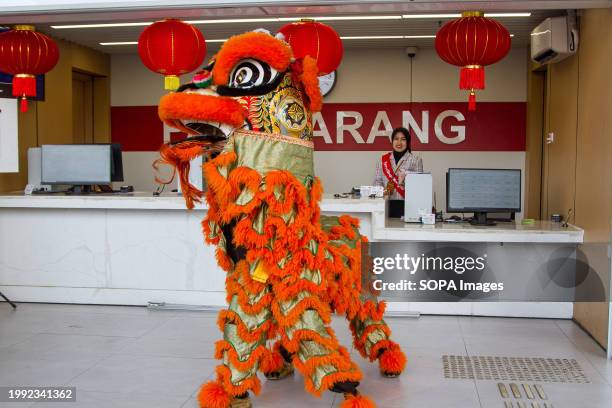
x,y
288,267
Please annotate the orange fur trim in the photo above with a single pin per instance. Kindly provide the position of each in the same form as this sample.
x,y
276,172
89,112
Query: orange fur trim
x,y
381,345
289,319
339,361
310,81
223,259
234,288
224,347
330,379
213,395
257,45
359,343
181,105
293,345
249,336
357,401
178,156
271,362
372,310
392,360
224,377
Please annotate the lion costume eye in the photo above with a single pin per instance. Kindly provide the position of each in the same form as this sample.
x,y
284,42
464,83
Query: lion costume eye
x,y
250,73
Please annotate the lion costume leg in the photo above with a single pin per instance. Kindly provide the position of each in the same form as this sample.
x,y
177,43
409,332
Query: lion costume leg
x,y
371,337
246,326
303,321
277,364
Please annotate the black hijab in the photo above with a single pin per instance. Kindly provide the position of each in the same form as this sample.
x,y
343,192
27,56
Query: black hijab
x,y
398,155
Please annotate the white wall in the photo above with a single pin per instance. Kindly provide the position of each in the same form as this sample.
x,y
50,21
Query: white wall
x,y
366,75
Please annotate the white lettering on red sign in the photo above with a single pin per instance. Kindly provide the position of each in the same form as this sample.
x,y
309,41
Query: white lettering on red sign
x,y
351,122
422,132
459,130
341,126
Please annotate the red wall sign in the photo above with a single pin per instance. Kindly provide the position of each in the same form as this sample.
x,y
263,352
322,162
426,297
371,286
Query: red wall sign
x,y
494,126
435,126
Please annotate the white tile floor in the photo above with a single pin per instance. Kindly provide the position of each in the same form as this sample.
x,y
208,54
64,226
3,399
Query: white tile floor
x,y
132,357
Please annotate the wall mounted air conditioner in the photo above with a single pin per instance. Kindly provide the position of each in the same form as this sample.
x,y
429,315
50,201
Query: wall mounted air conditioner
x,y
556,38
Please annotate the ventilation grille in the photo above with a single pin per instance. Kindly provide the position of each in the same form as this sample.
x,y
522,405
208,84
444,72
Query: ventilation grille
x,y
560,370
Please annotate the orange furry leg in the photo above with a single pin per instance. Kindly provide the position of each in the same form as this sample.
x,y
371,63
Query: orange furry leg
x,y
392,361
271,362
213,395
357,401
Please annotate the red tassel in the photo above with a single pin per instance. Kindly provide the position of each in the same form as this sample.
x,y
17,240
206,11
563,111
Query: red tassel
x,y
24,85
472,101
23,104
472,77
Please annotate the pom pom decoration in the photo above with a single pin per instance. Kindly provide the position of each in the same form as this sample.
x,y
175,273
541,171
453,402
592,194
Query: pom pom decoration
x,y
357,401
212,395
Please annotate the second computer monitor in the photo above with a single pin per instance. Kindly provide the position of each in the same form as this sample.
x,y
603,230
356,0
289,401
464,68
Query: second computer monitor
x,y
482,191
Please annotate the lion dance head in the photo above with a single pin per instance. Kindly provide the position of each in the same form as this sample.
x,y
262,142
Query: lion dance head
x,y
253,82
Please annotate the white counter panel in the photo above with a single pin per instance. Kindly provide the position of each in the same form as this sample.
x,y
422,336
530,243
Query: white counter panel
x,y
132,249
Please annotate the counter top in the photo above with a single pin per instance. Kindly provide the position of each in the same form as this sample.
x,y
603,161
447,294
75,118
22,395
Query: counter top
x,y
166,201
540,231
370,211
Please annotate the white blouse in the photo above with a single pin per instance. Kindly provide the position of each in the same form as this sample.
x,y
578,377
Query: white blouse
x,y
409,163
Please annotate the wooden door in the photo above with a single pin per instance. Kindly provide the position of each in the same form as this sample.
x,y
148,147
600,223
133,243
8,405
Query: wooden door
x,y
559,164
82,108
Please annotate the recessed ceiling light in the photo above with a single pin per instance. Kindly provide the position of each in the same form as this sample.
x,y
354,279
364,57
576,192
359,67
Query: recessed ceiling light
x,y
372,37
385,37
220,40
286,19
103,25
339,18
419,36
457,15
431,15
507,14
120,43
234,20
229,21
359,37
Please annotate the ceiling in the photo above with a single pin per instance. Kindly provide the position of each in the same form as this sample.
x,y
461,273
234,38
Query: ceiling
x,y
520,27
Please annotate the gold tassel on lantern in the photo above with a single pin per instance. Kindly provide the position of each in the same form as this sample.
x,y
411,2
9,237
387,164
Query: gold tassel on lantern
x,y
171,82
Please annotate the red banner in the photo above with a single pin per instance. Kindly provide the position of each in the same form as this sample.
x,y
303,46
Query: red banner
x,y
435,126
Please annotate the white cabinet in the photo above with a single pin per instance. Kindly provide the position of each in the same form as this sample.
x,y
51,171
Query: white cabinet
x,y
9,148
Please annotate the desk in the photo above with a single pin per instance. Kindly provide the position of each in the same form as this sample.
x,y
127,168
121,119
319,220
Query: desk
x,y
540,232
136,248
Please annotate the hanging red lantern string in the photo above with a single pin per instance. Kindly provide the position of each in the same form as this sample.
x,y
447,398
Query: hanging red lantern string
x,y
171,48
320,41
472,42
25,53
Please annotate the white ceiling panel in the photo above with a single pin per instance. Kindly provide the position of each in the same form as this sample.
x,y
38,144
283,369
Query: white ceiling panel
x,y
92,37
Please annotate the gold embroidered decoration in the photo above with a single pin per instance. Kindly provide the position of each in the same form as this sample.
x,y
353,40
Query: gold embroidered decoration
x,y
259,274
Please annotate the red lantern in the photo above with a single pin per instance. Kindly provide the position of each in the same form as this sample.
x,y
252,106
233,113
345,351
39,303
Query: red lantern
x,y
24,53
320,41
472,42
171,48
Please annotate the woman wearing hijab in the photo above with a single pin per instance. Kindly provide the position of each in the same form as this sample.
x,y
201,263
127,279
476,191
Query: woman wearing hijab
x,y
391,170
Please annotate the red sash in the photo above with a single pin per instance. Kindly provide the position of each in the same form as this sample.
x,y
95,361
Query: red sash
x,y
388,171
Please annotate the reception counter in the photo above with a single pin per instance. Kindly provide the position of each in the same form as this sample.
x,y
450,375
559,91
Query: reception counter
x,y
137,248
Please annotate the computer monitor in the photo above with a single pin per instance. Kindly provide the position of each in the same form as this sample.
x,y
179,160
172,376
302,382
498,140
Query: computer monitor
x,y
81,165
116,163
482,191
